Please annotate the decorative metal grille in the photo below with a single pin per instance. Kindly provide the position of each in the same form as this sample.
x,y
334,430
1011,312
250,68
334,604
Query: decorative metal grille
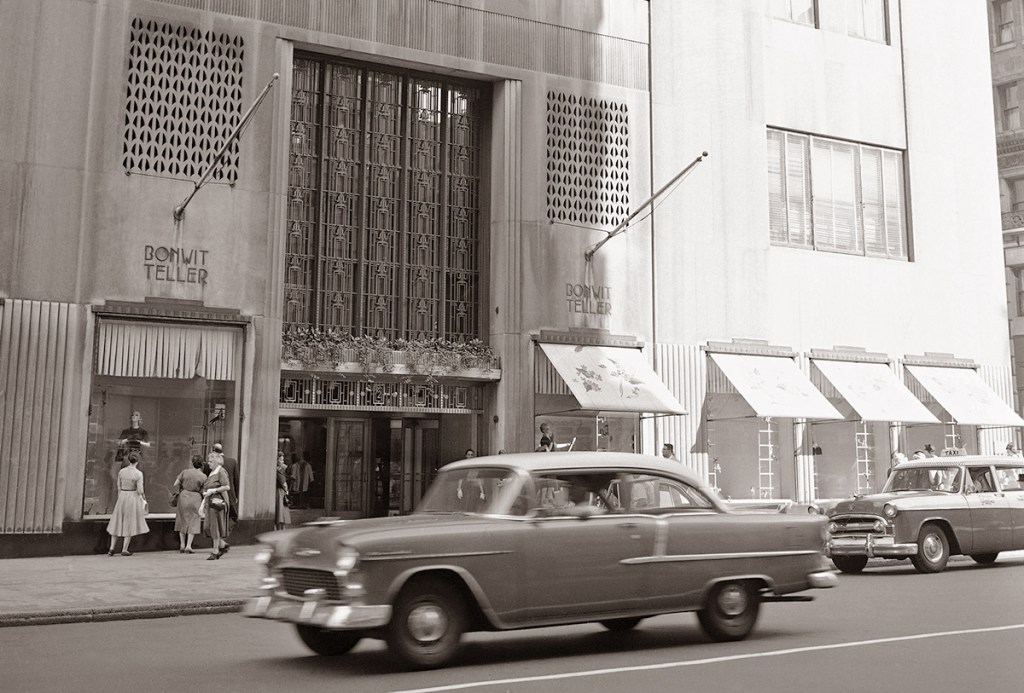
x,y
384,212
588,160
322,393
184,99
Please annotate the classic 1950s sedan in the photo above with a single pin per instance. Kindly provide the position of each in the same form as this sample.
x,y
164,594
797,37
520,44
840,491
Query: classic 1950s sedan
x,y
537,539
931,508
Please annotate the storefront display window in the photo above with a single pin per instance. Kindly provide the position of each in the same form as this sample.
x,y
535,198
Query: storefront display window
x,y
605,432
169,418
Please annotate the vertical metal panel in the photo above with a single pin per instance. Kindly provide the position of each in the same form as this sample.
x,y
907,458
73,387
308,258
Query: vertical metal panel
x,y
39,343
684,371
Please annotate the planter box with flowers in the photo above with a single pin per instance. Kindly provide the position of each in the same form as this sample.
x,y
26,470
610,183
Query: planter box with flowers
x,y
316,350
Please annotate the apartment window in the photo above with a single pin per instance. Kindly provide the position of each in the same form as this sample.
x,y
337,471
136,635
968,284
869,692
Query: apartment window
x,y
1016,186
1018,290
1002,19
836,196
799,11
866,19
1009,106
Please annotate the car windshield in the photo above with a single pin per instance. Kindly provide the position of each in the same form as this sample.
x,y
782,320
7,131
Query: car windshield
x,y
484,490
946,479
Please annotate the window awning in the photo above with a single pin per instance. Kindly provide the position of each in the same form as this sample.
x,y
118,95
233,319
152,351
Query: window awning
x,y
962,393
611,379
874,391
774,387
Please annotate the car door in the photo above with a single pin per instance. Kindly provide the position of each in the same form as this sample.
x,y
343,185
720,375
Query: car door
x,y
1011,481
580,562
991,519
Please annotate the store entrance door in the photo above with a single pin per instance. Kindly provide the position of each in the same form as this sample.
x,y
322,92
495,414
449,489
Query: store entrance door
x,y
405,454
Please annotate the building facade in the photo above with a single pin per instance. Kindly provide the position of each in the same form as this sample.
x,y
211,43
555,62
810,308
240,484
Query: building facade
x,y
739,228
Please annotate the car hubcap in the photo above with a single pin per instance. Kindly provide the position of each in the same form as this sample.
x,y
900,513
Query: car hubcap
x,y
732,601
932,548
427,623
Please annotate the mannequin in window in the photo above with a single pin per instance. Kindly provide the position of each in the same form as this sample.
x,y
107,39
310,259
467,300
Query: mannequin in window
x,y
135,437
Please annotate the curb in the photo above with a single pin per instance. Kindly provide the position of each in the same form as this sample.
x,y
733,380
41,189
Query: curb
x,y
121,613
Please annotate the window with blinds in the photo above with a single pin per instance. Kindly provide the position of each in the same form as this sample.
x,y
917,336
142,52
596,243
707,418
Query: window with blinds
x,y
836,196
866,19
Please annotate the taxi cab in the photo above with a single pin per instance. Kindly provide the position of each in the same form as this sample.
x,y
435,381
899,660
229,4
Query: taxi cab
x,y
930,509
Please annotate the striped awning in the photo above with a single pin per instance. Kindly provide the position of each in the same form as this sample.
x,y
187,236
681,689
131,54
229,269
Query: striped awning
x,y
167,350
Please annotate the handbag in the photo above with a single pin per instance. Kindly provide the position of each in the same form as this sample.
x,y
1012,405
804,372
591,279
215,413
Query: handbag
x,y
172,500
286,501
217,503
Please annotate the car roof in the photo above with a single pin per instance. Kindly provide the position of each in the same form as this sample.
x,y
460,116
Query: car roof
x,y
579,460
962,460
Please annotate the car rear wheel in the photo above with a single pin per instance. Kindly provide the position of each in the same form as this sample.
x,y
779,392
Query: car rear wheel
x,y
328,642
932,550
618,625
731,610
985,558
427,623
850,564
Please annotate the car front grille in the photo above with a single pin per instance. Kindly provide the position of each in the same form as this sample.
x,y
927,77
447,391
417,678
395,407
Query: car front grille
x,y
297,580
855,524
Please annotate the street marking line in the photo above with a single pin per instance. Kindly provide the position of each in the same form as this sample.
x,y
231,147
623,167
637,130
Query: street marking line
x,y
709,660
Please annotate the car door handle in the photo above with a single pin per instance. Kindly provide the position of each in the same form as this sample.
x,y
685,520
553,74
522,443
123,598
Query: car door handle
x,y
628,525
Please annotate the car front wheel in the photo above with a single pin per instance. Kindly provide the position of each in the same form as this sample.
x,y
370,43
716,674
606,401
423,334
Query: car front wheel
x,y
932,550
985,558
427,623
850,564
731,610
328,642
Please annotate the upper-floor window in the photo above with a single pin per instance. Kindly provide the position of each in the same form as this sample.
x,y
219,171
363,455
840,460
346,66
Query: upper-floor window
x,y
1009,106
799,11
866,19
1002,22
836,196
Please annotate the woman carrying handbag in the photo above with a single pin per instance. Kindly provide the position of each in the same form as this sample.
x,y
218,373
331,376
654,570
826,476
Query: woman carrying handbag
x,y
215,506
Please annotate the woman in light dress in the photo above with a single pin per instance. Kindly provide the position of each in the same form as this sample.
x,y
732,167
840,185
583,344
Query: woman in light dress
x,y
187,522
129,516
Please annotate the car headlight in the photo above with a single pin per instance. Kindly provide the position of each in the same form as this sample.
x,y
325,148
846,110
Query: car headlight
x,y
889,510
264,553
833,527
347,559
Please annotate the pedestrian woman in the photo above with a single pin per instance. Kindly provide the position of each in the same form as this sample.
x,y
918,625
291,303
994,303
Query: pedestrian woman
x,y
215,502
129,516
189,485
282,515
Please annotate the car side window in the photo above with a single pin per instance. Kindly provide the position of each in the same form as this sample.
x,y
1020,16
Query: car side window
x,y
1011,479
569,494
651,493
981,480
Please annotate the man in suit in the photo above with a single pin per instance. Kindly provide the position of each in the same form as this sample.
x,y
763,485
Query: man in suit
x,y
231,467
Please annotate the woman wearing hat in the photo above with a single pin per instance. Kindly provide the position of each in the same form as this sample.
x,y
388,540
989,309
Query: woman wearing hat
x,y
129,516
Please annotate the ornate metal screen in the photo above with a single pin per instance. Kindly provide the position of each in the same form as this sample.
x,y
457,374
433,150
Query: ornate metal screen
x,y
384,209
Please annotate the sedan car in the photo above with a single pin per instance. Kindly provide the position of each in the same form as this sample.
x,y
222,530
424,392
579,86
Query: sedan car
x,y
537,539
931,509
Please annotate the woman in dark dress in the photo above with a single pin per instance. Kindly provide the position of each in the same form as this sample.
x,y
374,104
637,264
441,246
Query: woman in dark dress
x,y
215,504
187,522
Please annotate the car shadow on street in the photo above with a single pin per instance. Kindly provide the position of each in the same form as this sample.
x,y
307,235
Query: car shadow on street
x,y
891,567
371,657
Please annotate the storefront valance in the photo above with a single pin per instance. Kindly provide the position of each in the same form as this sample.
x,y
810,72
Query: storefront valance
x,y
962,393
874,391
612,379
163,350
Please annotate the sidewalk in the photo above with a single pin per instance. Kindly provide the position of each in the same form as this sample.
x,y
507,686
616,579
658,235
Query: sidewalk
x,y
149,584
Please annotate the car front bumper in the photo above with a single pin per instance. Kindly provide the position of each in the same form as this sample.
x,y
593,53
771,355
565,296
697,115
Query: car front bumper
x,y
870,545
312,612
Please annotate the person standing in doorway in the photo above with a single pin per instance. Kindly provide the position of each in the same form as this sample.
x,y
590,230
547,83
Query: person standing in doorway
x,y
129,516
282,515
302,474
668,451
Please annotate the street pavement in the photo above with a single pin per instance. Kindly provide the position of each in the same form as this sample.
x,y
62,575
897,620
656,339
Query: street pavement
x,y
148,584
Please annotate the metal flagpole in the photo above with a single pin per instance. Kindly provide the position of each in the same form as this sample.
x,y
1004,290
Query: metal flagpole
x,y
622,225
179,211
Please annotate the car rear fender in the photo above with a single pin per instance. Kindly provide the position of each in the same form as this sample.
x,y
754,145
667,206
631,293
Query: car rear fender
x,y
477,604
